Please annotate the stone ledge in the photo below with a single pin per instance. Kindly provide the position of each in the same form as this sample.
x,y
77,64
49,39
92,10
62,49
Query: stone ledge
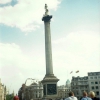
x,y
50,78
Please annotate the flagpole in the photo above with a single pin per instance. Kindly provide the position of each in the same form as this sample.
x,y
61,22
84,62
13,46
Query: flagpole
x,y
67,74
71,74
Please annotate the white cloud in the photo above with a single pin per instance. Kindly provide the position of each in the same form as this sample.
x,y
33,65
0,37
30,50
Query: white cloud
x,y
26,14
15,66
5,1
76,51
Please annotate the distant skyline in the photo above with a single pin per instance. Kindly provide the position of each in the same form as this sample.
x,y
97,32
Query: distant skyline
x,y
75,34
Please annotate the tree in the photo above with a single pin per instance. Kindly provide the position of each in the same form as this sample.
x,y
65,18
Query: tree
x,y
9,97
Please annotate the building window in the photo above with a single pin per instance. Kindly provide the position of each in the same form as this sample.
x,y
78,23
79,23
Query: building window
x,y
92,82
98,76
82,91
91,77
97,92
96,87
96,73
92,87
96,82
95,77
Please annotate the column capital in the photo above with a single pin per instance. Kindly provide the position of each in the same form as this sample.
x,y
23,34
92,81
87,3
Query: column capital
x,y
46,18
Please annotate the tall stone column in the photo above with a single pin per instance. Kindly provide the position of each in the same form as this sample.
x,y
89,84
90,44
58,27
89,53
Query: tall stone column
x,y
49,81
48,49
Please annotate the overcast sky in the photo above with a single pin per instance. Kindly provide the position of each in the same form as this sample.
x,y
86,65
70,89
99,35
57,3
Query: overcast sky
x,y
75,32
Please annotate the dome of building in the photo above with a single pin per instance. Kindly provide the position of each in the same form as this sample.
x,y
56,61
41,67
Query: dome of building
x,y
67,82
34,83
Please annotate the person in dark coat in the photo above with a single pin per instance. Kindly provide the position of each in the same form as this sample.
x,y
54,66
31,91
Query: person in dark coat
x,y
20,93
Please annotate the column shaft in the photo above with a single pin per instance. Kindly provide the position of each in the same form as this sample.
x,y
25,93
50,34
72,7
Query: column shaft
x,y
48,49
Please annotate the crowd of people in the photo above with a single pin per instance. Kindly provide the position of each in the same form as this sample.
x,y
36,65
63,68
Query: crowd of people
x,y
90,96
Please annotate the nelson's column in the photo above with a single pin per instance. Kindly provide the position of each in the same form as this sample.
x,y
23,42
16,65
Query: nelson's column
x,y
49,81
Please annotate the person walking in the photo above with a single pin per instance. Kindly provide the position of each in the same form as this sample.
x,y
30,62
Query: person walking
x,y
16,97
71,96
85,96
92,96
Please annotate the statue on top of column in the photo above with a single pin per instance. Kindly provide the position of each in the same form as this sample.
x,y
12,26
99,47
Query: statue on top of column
x,y
46,10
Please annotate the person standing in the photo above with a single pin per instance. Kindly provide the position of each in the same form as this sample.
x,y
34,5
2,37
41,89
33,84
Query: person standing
x,y
71,96
85,96
92,96
16,97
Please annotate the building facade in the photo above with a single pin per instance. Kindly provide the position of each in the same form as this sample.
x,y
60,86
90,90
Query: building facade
x,y
34,91
68,85
94,82
86,83
63,90
2,91
78,85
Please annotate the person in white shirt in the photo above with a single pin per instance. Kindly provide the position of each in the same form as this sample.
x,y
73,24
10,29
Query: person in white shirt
x,y
71,96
